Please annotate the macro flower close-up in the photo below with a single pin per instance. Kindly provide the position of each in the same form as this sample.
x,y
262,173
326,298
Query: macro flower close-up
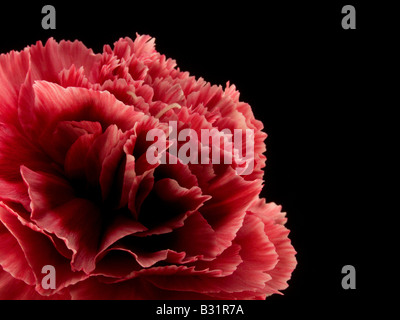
x,y
80,190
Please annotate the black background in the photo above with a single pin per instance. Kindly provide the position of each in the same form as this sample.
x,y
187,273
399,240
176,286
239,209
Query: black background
x,y
314,86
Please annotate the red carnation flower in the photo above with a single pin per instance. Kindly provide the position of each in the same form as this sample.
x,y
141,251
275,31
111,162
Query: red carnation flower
x,y
78,193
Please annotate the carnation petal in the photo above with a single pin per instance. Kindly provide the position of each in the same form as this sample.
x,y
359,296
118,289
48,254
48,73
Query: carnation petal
x,y
196,237
226,214
128,94
227,262
55,208
134,289
65,134
103,157
120,227
177,204
179,172
140,188
73,77
74,167
59,56
16,150
274,220
15,289
259,259
121,262
43,105
30,239
12,258
13,69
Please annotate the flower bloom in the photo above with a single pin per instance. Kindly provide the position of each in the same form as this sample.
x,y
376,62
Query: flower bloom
x,y
77,192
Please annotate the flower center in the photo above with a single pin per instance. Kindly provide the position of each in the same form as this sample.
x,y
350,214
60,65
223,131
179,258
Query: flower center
x,y
171,106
